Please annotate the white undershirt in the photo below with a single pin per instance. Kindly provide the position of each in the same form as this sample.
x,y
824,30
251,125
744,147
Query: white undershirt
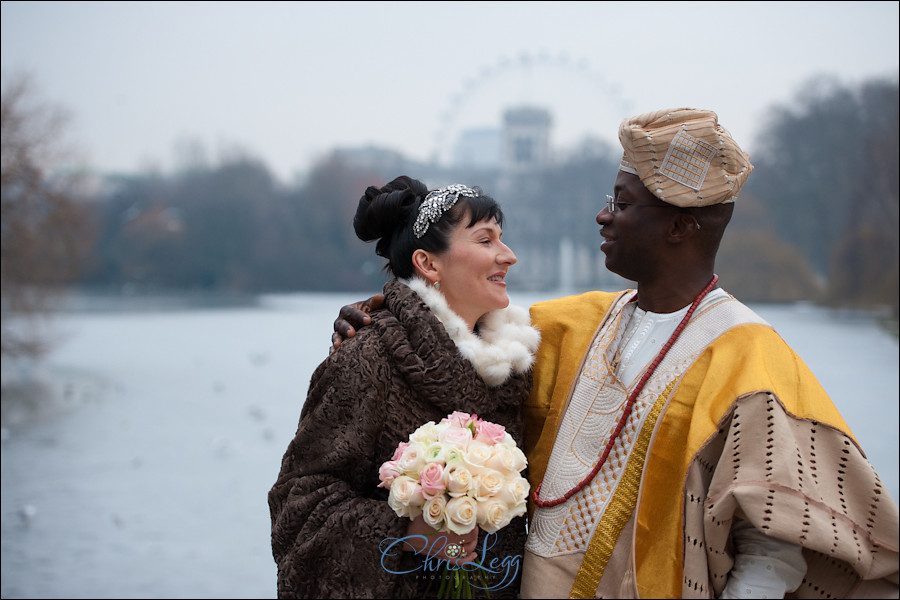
x,y
764,567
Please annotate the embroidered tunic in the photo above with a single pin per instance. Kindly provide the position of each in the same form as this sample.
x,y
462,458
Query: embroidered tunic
x,y
654,522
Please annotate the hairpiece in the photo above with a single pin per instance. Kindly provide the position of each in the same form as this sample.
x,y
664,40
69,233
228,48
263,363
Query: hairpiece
x,y
437,203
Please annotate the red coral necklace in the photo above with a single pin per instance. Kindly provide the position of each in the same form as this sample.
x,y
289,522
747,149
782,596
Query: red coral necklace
x,y
629,404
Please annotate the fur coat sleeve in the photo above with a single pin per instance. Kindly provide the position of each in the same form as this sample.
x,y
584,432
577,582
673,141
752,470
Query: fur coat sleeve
x,y
327,489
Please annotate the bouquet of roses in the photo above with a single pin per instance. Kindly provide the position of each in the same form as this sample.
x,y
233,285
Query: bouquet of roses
x,y
456,474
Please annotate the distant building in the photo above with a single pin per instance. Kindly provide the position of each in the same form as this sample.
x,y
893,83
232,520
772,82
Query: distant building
x,y
526,138
481,148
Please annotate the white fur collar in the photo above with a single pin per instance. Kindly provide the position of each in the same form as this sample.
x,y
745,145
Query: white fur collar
x,y
505,343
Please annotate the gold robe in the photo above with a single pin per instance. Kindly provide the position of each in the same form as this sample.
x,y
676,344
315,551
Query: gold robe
x,y
748,432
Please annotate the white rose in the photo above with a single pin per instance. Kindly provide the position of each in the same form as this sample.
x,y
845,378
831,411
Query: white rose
x,y
453,456
426,434
493,515
433,511
406,497
435,452
488,483
413,458
461,515
458,480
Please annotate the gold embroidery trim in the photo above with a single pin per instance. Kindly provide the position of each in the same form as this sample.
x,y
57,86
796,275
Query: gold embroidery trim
x,y
619,510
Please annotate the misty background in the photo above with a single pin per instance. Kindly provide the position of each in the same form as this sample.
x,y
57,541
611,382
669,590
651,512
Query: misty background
x,y
178,186
221,148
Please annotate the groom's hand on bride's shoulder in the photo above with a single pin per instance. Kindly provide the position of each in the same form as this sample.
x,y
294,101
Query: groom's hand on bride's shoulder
x,y
353,316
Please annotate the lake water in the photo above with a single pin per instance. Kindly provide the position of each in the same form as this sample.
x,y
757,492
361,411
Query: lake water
x,y
147,475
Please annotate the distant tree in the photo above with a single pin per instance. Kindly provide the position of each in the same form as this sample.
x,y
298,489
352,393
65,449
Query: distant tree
x,y
332,257
865,259
231,228
199,229
827,171
46,225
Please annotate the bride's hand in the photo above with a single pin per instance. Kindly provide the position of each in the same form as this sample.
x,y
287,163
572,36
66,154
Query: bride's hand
x,y
461,547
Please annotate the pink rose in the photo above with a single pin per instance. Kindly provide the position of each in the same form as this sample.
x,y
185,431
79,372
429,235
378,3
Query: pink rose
x,y
387,473
460,419
432,480
490,433
399,451
457,437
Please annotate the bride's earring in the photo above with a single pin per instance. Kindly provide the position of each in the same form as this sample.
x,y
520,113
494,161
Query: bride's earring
x,y
437,285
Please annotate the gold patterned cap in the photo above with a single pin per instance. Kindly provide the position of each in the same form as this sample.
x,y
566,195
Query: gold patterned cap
x,y
684,157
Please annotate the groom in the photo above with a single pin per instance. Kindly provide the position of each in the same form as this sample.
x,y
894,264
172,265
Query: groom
x,y
677,446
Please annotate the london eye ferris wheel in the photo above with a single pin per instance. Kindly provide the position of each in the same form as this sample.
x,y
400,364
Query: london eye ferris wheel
x,y
584,105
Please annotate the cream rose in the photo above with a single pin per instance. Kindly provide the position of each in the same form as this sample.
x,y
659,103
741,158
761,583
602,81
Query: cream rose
x,y
406,497
519,460
493,515
502,459
514,491
487,483
458,480
426,434
413,458
477,453
433,511
461,515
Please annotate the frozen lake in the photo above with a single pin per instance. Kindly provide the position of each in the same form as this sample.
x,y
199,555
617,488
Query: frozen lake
x,y
148,476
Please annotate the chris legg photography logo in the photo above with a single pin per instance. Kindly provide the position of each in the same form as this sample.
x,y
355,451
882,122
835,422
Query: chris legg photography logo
x,y
505,568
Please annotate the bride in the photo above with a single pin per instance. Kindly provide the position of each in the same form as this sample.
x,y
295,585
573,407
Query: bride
x,y
446,340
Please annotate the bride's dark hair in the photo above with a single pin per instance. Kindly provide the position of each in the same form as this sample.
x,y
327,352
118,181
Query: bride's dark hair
x,y
387,214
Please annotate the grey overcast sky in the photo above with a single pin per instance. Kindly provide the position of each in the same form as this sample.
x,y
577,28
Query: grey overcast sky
x,y
289,81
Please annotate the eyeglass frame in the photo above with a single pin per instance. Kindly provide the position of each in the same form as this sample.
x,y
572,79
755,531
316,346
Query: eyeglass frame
x,y
611,207
612,202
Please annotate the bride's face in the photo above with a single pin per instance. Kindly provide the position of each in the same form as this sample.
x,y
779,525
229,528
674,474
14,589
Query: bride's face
x,y
473,270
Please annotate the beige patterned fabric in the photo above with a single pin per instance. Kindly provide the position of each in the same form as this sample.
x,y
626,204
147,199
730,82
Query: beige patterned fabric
x,y
684,157
847,521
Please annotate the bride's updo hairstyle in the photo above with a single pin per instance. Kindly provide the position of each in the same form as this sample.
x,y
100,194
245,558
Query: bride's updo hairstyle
x,y
387,214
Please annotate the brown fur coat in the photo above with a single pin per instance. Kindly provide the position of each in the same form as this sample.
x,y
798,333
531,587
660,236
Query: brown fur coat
x,y
329,517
